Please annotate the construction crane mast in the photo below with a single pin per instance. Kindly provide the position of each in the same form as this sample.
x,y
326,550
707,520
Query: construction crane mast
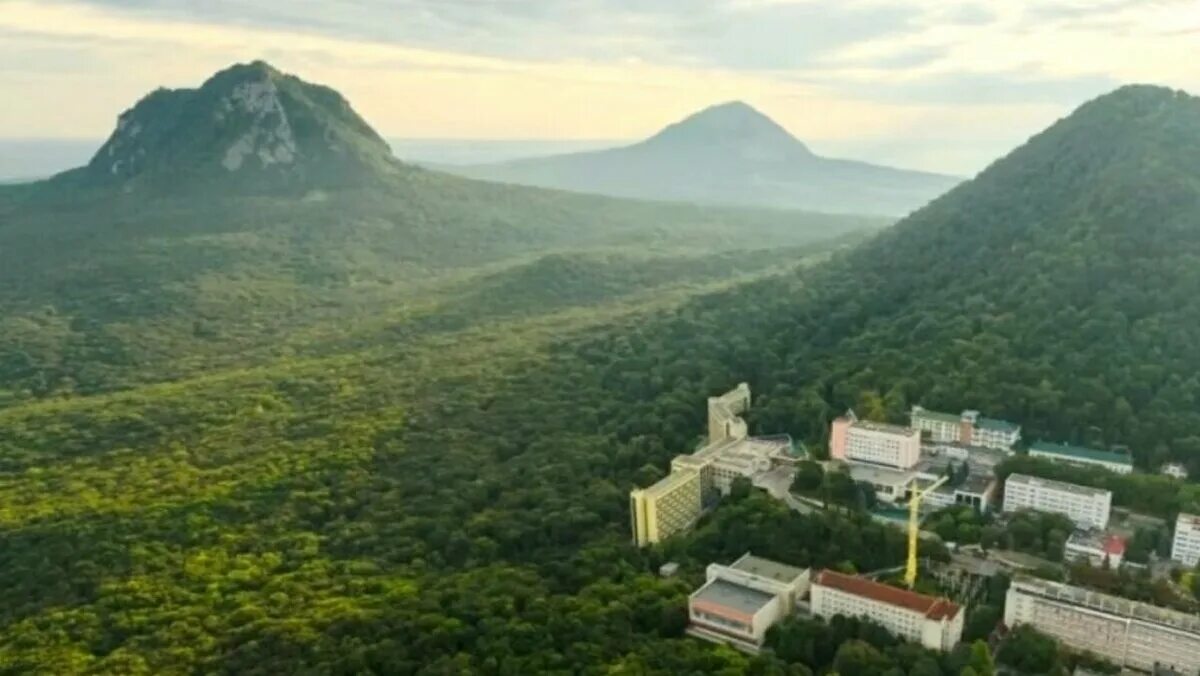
x,y
914,529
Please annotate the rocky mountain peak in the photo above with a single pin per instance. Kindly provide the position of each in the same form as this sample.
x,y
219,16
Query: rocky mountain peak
x,y
250,122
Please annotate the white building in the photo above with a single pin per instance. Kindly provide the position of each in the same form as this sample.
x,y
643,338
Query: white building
x,y
1121,463
740,602
1096,547
1174,470
890,485
1125,632
969,427
1186,546
1087,507
935,623
873,443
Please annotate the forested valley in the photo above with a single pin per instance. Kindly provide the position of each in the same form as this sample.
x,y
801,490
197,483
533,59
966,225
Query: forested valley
x,y
440,485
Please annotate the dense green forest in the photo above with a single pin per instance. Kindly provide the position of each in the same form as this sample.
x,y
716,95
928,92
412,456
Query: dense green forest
x,y
157,261
230,444
105,292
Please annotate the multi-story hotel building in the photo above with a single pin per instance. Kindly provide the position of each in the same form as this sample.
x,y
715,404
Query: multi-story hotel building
x,y
739,602
1127,633
1121,463
855,440
1087,507
698,480
968,428
724,421
1186,546
935,623
666,508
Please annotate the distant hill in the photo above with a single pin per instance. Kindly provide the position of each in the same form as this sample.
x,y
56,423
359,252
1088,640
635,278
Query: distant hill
x,y
221,217
1060,289
726,154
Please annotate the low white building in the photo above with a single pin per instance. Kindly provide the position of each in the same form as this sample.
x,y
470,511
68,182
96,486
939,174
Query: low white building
x,y
935,623
863,441
740,602
1121,463
1087,507
1096,547
1124,632
1174,470
890,485
1185,548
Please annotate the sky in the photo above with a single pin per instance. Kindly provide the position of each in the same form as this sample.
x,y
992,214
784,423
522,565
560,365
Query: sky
x,y
928,84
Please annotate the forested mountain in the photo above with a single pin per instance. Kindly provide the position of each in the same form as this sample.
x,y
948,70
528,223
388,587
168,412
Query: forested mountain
x,y
223,221
1060,288
237,440
726,154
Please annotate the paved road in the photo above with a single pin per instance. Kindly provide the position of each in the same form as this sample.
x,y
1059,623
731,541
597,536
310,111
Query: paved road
x,y
778,483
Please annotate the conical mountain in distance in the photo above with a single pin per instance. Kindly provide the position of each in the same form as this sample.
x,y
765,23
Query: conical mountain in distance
x,y
249,126
733,128
729,153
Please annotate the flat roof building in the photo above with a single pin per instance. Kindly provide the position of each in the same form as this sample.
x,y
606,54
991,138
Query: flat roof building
x,y
1096,547
1185,547
740,602
675,503
1087,507
1121,463
890,485
863,441
935,623
1127,633
968,427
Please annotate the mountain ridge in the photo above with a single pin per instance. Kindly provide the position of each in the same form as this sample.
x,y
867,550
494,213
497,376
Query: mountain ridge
x,y
728,153
282,234
1059,288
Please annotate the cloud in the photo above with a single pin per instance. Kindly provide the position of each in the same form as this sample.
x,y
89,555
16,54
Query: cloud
x,y
854,74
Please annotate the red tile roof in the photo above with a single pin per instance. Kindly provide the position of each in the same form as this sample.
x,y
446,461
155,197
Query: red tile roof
x,y
931,607
1113,544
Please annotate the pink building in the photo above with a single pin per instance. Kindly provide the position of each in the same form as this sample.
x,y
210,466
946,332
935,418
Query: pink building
x,y
872,443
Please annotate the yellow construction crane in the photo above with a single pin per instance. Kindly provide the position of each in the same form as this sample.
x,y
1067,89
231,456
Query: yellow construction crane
x,y
914,529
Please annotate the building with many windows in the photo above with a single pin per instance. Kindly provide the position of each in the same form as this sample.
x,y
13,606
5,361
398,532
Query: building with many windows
x,y
698,480
1124,632
1185,548
724,421
1087,507
739,602
969,428
668,507
1121,463
873,443
935,623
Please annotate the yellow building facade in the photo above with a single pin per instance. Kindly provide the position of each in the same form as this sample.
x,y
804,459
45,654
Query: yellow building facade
x,y
668,507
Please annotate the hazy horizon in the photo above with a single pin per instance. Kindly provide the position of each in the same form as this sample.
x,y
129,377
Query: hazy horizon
x,y
33,158
937,86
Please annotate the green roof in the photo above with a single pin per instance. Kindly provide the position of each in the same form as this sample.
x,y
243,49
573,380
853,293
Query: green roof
x,y
998,425
1082,453
981,422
